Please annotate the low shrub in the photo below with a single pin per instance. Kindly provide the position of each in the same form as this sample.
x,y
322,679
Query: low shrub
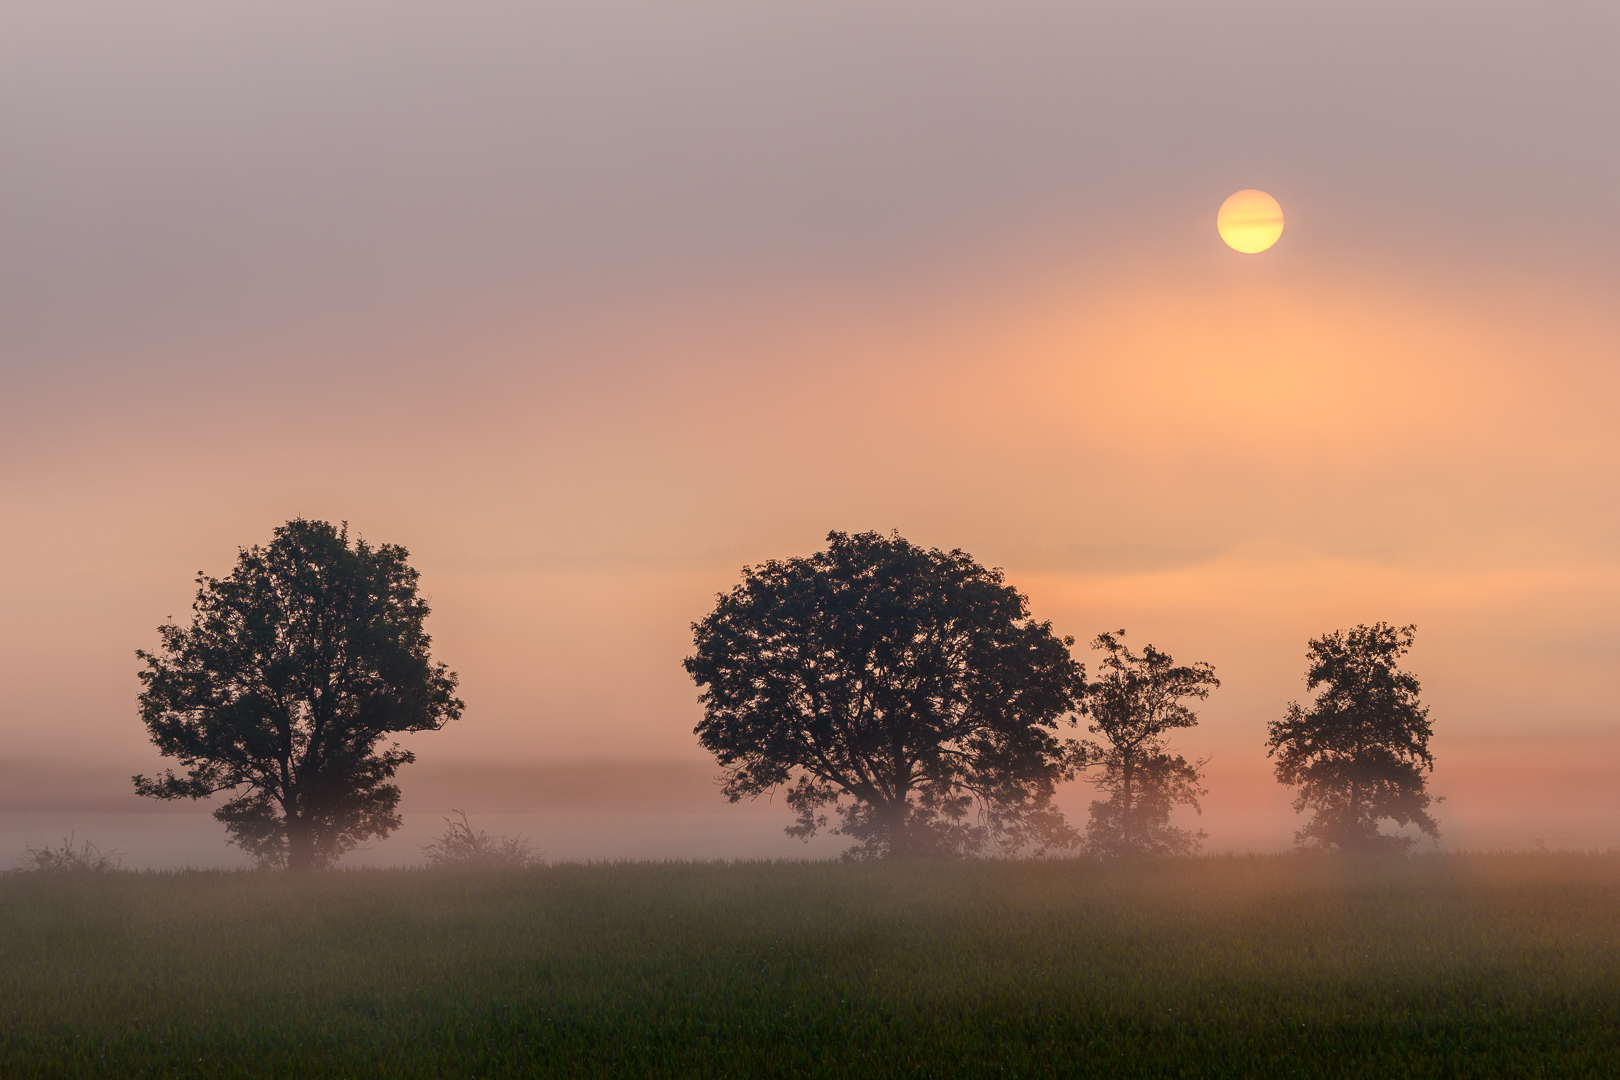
x,y
462,846
84,859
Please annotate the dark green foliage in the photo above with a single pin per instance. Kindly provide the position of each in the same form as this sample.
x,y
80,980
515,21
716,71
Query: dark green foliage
x,y
292,671
1297,966
1133,705
1358,754
906,687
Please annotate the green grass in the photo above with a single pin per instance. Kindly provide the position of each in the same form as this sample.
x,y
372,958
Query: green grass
x,y
1476,965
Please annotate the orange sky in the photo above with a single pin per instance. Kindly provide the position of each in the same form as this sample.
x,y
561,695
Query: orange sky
x,y
1401,415
1224,464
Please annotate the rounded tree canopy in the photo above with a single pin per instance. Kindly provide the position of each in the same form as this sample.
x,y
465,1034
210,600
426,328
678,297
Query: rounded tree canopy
x,y
908,687
292,671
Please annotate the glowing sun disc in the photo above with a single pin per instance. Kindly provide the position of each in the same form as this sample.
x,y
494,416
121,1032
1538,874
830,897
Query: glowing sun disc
x,y
1250,221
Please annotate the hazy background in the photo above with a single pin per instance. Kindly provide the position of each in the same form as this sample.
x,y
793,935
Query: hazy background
x,y
590,304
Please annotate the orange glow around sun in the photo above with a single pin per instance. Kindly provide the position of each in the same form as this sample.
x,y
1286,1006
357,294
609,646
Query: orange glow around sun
x,y
1250,221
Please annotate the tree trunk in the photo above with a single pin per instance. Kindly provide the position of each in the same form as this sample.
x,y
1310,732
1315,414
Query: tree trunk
x,y
1354,829
1126,808
899,834
300,844
900,846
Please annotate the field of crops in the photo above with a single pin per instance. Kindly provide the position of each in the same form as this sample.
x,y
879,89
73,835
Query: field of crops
x,y
1479,965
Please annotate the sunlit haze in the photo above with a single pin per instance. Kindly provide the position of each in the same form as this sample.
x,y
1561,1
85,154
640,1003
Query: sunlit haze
x,y
588,306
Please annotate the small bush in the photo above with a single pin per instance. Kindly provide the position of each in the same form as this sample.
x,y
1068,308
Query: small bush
x,y
460,846
85,859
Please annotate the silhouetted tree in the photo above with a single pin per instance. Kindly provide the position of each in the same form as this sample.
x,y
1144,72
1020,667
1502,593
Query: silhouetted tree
x,y
1358,754
292,671
908,689
1135,702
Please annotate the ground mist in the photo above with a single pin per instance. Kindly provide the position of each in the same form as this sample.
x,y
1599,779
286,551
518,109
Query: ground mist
x,y
1486,964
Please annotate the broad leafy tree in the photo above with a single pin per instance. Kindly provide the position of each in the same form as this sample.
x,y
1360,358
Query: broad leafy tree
x,y
292,672
906,689
1135,703
1358,755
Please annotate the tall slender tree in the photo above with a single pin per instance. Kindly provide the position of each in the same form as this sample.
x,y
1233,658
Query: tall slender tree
x,y
907,689
1358,755
1134,704
293,670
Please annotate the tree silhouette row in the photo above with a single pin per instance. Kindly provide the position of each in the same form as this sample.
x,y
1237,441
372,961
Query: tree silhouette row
x,y
903,697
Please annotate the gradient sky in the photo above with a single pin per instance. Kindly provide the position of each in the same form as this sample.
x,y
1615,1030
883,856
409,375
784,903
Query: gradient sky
x,y
590,304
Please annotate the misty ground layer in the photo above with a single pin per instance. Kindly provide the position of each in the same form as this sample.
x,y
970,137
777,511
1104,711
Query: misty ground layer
x,y
1224,966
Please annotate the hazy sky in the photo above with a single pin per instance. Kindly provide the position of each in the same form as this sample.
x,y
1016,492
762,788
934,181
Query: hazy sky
x,y
590,304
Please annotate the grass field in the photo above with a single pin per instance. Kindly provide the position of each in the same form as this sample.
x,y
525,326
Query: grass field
x,y
1460,965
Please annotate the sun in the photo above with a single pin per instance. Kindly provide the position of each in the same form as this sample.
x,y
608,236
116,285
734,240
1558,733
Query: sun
x,y
1250,221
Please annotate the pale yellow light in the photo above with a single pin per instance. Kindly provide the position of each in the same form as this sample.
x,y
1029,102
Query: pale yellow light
x,y
1250,221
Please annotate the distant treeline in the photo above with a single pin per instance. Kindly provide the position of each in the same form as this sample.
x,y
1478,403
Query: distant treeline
x,y
900,696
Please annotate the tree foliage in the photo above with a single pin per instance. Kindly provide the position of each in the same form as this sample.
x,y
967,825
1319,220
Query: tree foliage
x,y
908,690
293,670
1133,705
1358,754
